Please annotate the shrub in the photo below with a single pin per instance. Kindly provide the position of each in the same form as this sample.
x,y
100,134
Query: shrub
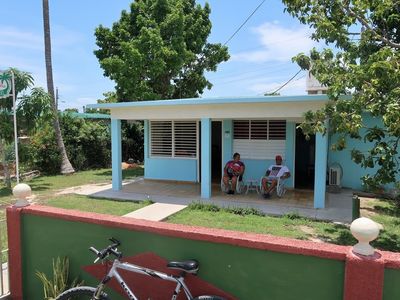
x,y
244,211
204,207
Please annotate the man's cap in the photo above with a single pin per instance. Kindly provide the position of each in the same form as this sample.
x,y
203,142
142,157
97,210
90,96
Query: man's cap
x,y
278,157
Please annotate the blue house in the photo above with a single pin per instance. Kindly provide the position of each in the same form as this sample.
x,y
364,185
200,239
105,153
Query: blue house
x,y
192,139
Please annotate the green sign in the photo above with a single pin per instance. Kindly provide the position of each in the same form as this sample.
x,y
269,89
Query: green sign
x,y
5,84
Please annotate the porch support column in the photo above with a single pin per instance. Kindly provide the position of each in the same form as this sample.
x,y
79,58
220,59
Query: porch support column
x,y
290,150
321,158
206,158
116,154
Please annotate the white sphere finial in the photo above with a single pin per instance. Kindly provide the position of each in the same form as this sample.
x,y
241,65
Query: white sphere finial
x,y
22,191
365,231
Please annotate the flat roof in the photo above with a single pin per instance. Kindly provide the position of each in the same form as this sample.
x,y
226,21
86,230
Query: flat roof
x,y
218,100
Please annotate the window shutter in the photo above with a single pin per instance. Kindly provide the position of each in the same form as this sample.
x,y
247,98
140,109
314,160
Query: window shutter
x,y
277,130
259,139
185,134
241,130
259,130
161,138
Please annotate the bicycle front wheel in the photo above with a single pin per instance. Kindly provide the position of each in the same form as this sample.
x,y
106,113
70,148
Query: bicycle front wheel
x,y
209,298
81,293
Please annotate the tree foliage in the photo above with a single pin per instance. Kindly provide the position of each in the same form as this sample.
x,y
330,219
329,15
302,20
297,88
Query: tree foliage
x,y
159,50
365,65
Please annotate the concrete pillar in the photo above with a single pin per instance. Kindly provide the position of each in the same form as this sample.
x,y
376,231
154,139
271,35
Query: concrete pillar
x,y
290,150
321,160
206,158
116,150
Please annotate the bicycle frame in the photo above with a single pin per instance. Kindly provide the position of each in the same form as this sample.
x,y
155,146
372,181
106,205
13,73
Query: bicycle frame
x,y
113,273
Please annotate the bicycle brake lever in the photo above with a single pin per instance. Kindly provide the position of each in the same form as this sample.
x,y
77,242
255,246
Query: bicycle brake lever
x,y
115,241
96,260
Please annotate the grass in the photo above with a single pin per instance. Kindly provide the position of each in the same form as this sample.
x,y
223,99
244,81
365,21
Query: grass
x,y
102,206
293,226
45,185
386,213
44,188
290,225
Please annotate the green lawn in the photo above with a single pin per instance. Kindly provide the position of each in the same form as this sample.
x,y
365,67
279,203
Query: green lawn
x,y
102,206
293,226
45,185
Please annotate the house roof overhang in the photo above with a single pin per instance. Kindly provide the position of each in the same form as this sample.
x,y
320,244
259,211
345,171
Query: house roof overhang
x,y
270,107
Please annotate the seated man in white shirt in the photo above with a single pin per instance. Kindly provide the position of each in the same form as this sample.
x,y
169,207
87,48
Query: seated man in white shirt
x,y
272,175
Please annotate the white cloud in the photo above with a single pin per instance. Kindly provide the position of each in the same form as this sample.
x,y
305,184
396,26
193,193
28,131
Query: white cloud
x,y
278,43
22,39
295,87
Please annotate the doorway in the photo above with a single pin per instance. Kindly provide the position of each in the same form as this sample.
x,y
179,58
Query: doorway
x,y
216,151
304,161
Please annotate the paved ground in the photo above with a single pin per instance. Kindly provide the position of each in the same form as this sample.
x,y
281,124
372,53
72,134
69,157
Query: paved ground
x,y
156,211
338,206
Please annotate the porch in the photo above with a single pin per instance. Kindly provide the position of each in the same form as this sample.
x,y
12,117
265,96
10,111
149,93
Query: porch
x,y
338,206
192,139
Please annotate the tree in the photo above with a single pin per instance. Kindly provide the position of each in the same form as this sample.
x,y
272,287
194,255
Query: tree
x,y
23,80
66,167
365,65
159,50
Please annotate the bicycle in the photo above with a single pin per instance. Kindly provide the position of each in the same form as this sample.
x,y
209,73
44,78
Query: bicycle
x,y
97,293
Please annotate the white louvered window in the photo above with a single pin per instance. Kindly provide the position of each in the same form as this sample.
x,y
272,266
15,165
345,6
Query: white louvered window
x,y
173,139
185,136
161,138
259,139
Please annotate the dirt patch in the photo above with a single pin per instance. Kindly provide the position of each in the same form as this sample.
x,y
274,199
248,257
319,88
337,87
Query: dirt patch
x,y
311,232
307,229
367,207
125,166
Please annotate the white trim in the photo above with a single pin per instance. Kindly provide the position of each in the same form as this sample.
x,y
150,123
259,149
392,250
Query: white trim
x,y
276,110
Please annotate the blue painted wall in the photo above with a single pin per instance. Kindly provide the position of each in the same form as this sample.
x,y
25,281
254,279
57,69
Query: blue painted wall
x,y
167,168
352,172
171,169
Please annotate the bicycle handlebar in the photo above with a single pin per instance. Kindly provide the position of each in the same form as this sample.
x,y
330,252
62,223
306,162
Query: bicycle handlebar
x,y
111,249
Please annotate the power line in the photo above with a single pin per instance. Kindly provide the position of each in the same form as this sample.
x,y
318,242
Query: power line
x,y
235,74
240,27
282,86
249,77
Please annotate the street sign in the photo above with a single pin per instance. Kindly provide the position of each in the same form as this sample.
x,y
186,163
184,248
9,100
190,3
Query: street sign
x,y
5,84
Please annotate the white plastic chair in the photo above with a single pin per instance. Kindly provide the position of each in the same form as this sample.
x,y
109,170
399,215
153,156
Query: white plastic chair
x,y
239,185
280,187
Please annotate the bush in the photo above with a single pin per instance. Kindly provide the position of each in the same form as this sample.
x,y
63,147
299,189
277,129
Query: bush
x,y
204,207
132,141
42,152
87,142
242,211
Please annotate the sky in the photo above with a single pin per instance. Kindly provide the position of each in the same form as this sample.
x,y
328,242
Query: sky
x,y
260,52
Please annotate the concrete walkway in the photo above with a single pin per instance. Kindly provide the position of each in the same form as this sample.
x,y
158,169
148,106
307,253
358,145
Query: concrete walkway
x,y
156,211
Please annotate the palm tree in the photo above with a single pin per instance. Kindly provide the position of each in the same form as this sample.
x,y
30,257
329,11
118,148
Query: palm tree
x,y
66,167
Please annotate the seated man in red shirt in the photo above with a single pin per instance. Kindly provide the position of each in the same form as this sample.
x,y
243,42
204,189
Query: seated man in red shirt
x,y
233,170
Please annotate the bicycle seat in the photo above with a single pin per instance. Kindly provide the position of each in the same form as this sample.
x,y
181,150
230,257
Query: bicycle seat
x,y
189,266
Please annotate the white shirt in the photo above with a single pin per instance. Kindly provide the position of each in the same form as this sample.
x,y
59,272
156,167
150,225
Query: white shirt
x,y
278,170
